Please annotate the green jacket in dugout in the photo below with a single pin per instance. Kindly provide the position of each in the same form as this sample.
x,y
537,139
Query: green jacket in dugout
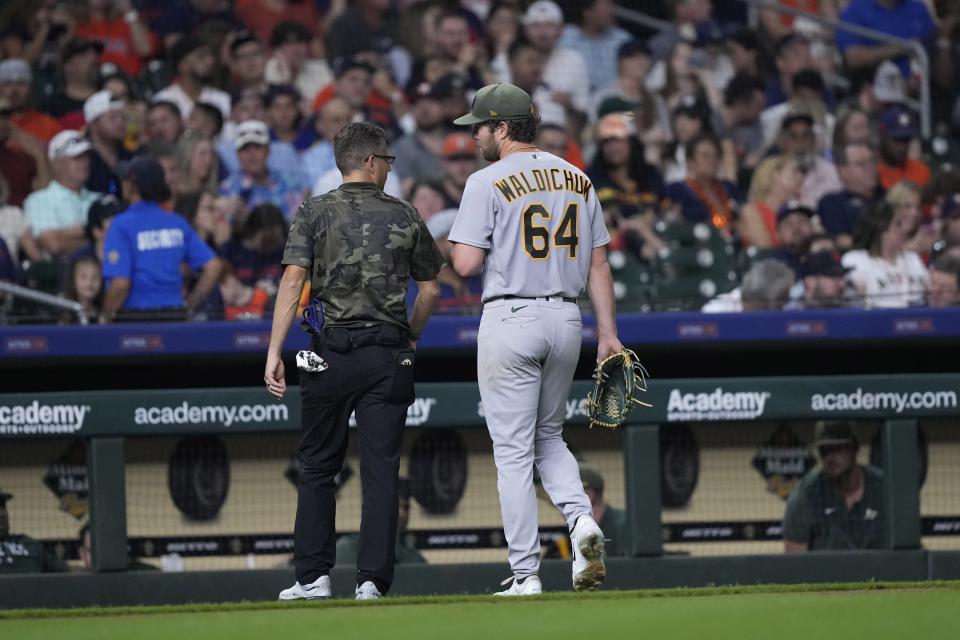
x,y
23,554
818,516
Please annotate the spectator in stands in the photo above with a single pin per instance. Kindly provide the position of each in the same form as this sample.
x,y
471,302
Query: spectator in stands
x,y
418,152
80,68
256,249
20,553
120,27
255,182
427,197
743,47
776,181
896,135
354,83
502,27
106,132
688,121
613,521
283,158
765,287
57,214
292,62
565,72
84,285
739,119
777,24
211,216
805,97
554,139
163,122
333,116
838,506
247,60
145,248
527,63
196,67
689,16
264,16
459,161
455,51
906,199
824,281
634,64
99,216
198,165
703,196
798,138
791,56
794,230
206,121
949,226
179,19
369,25
8,267
882,270
15,80
907,19
839,211
628,189
15,232
944,282
282,112
348,545
595,36
19,168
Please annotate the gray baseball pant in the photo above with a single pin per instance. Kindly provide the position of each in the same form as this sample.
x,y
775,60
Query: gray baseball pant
x,y
527,352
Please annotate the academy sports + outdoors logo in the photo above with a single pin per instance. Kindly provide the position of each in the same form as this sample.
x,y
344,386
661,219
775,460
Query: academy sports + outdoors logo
x,y
898,402
226,415
716,405
36,418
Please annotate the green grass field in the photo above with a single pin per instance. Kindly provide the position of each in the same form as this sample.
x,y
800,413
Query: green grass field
x,y
874,611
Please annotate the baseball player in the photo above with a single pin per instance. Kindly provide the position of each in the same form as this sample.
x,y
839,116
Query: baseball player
x,y
531,222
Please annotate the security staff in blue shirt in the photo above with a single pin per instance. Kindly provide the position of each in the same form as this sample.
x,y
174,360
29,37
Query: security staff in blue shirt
x,y
144,249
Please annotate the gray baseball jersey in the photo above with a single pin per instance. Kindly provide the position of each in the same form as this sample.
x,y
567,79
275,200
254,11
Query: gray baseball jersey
x,y
538,219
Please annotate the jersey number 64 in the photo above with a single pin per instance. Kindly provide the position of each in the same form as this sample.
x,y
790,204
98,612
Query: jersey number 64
x,y
536,237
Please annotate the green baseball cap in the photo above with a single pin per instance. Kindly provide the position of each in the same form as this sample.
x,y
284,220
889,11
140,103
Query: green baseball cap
x,y
590,477
833,433
499,101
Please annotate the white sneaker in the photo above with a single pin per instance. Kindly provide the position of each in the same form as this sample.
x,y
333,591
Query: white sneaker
x,y
531,586
368,591
316,590
588,568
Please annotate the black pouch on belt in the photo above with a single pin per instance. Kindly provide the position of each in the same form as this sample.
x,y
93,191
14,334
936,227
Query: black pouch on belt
x,y
338,339
389,335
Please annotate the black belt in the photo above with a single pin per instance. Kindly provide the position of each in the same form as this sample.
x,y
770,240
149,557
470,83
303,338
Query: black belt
x,y
344,339
495,298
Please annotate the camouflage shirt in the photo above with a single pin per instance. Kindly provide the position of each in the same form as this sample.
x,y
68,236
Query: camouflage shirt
x,y
361,247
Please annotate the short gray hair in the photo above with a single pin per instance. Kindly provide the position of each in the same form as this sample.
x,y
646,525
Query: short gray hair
x,y
766,285
355,143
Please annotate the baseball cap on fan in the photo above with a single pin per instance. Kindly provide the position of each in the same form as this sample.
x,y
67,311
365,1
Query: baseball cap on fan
x,y
252,132
459,145
100,103
500,101
67,144
543,12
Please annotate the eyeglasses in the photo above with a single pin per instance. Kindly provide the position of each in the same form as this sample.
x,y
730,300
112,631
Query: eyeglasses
x,y
388,159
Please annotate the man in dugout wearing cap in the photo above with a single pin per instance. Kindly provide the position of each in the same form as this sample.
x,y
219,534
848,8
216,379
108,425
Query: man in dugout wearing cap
x,y
838,506
612,521
20,553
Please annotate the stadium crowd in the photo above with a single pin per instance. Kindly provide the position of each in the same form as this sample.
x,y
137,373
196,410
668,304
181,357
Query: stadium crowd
x,y
790,153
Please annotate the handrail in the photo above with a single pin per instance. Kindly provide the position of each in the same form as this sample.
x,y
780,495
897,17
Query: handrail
x,y
916,48
926,127
642,18
46,299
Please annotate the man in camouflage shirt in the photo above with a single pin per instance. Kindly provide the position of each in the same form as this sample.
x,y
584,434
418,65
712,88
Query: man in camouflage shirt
x,y
838,506
360,248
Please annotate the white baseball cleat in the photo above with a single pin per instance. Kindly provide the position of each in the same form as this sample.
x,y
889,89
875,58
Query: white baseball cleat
x,y
588,568
368,591
319,589
529,586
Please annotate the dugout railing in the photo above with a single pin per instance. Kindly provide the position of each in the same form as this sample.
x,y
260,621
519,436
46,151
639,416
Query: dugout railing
x,y
109,420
